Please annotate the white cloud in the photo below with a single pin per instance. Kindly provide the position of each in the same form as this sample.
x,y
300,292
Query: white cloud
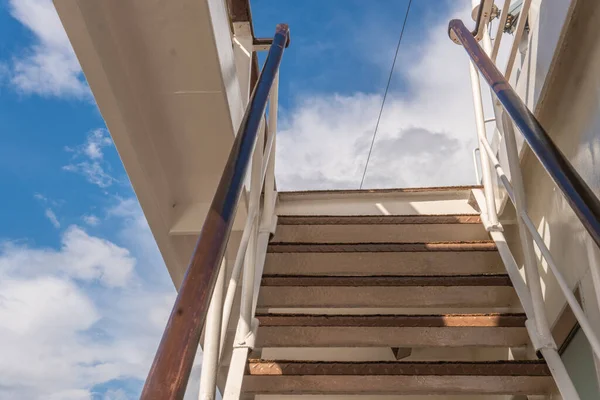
x,y
49,66
81,256
93,171
425,137
88,159
118,394
91,220
52,217
40,197
96,140
62,333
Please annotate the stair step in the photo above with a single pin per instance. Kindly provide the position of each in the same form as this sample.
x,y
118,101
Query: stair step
x,y
442,330
302,291
482,245
431,378
428,258
377,228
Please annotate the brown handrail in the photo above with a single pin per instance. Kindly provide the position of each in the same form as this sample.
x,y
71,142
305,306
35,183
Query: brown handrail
x,y
170,371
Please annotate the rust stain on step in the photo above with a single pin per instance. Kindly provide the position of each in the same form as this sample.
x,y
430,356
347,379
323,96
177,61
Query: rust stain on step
x,y
404,321
409,280
483,245
438,368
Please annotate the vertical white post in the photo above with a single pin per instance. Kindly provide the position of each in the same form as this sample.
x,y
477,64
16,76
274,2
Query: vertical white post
x,y
521,23
212,335
274,104
485,162
244,337
245,325
236,272
270,193
530,260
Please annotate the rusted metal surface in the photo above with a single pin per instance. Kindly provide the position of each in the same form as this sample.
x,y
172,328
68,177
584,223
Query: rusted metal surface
x,y
254,70
380,247
239,11
453,280
378,219
485,368
440,320
168,376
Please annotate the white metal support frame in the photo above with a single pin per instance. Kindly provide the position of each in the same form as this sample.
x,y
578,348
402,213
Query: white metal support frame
x,y
492,218
250,258
533,277
529,292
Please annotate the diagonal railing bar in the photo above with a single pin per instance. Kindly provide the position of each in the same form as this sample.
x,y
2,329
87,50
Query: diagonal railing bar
x,y
168,376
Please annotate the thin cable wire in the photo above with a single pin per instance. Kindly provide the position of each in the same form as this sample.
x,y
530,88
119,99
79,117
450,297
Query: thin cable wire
x,y
387,87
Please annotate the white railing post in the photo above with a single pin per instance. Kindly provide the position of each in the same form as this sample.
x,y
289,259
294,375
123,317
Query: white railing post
x,y
492,216
500,30
270,192
245,323
252,218
212,334
244,337
530,260
521,23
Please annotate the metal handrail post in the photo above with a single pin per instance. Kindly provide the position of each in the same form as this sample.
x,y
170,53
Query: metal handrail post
x,y
212,335
269,189
486,173
530,260
170,371
245,322
500,30
523,15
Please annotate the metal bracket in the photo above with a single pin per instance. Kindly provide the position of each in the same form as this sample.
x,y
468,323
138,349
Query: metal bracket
x,y
271,228
480,200
539,342
491,227
248,341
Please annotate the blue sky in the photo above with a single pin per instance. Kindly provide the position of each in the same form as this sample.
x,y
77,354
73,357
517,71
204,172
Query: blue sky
x,y
84,294
344,46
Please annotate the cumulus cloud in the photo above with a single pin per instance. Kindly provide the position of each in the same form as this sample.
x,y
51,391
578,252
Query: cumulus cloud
x,y
425,136
49,66
78,316
88,159
81,256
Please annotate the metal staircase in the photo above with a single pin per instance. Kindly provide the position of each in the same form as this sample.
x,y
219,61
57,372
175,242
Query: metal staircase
x,y
343,298
365,304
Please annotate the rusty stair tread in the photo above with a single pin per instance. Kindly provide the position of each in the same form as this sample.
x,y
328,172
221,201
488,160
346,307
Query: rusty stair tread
x,y
436,368
379,219
387,280
295,247
504,320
